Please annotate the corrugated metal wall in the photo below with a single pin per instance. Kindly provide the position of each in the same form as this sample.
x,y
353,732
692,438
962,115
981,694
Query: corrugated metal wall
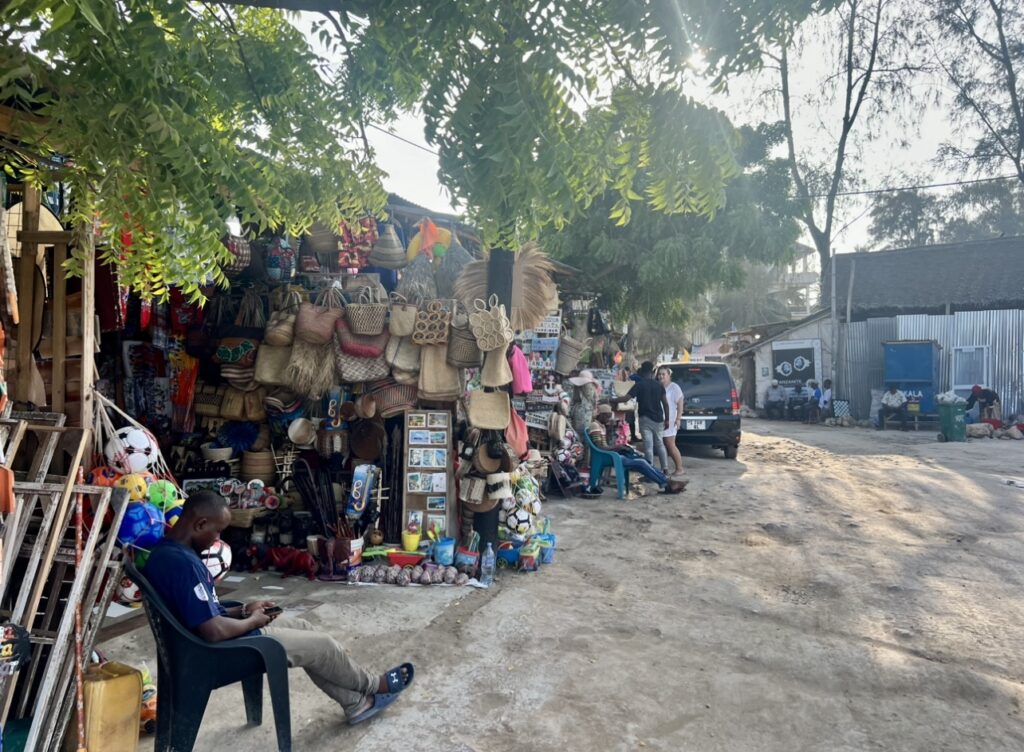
x,y
860,347
1003,332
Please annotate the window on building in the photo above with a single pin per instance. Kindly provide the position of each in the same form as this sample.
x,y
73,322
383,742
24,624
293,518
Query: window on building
x,y
970,367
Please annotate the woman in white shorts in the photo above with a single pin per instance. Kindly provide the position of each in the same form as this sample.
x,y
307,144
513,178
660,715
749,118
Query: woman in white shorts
x,y
675,416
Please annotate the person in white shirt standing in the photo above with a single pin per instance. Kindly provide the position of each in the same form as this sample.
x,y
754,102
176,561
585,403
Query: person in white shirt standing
x,y
674,393
825,403
894,402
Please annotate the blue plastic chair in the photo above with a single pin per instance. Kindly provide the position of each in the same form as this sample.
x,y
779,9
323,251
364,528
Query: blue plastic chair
x,y
189,669
602,459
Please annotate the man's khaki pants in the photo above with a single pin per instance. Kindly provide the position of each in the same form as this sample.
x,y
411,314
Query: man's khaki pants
x,y
325,661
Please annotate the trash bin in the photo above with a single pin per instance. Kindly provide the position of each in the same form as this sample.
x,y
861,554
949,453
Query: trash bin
x,y
951,422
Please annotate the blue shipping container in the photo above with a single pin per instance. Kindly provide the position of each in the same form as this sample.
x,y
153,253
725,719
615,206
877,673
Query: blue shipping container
x,y
913,365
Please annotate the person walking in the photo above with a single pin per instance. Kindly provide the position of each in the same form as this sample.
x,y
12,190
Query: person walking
x,y
674,395
652,407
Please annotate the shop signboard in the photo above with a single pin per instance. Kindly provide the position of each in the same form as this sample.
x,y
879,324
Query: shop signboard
x,y
796,361
537,412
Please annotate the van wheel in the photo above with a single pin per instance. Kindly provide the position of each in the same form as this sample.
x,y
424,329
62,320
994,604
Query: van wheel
x,y
731,452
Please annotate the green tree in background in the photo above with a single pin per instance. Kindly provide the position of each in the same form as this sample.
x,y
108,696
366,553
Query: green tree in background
x,y
978,211
180,114
979,45
659,267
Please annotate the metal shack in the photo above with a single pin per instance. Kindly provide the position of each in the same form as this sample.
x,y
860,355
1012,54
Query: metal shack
x,y
913,366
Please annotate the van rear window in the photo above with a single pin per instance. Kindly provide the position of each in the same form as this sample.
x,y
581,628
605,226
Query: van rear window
x,y
703,380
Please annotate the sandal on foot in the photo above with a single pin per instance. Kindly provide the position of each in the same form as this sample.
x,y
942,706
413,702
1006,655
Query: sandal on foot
x,y
399,678
380,701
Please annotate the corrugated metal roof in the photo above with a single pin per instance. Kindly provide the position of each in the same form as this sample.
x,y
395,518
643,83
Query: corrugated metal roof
x,y
970,276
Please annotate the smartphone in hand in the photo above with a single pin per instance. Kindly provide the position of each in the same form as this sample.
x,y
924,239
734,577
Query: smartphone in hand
x,y
273,611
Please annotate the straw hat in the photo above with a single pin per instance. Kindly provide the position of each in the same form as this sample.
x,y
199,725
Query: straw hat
x,y
585,377
302,432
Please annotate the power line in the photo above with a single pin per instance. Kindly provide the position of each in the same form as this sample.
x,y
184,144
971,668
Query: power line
x,y
405,140
866,192
919,187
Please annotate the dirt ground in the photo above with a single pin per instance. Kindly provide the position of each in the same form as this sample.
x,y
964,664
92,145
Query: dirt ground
x,y
833,589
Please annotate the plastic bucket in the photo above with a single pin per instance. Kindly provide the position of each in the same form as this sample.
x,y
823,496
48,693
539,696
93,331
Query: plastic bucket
x,y
548,541
444,551
410,541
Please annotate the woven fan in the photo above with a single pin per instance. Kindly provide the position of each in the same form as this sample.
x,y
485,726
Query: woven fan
x,y
455,260
534,294
417,282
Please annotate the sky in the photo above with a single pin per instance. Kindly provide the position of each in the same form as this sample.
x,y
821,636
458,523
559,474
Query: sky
x,y
898,149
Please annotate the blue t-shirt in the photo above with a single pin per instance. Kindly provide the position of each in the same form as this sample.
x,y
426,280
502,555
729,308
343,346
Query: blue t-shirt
x,y
183,581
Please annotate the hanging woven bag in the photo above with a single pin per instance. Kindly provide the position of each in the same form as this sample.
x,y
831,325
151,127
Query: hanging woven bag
x,y
240,341
369,314
314,323
489,410
403,316
438,380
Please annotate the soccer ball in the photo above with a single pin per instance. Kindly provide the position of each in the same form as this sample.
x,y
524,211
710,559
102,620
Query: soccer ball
x,y
128,591
171,514
217,559
132,450
102,476
508,503
135,484
519,521
163,495
142,526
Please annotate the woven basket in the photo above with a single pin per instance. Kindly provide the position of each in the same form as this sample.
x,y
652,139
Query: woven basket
x,y
463,351
320,239
433,323
245,517
393,398
489,410
490,325
403,316
356,282
216,454
354,370
387,251
569,351
369,314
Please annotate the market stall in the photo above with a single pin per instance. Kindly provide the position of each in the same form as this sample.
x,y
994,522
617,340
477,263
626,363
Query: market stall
x,y
357,398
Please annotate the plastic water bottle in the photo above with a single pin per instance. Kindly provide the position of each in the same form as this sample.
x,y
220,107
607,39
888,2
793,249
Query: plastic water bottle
x,y
487,564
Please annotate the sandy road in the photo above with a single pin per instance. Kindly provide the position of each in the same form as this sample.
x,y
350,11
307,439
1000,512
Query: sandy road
x,y
833,589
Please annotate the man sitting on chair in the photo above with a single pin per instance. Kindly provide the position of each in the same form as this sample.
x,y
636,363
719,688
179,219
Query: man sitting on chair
x,y
183,581
598,433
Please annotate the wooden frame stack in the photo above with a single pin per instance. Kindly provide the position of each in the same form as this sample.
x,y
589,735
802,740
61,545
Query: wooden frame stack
x,y
40,581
